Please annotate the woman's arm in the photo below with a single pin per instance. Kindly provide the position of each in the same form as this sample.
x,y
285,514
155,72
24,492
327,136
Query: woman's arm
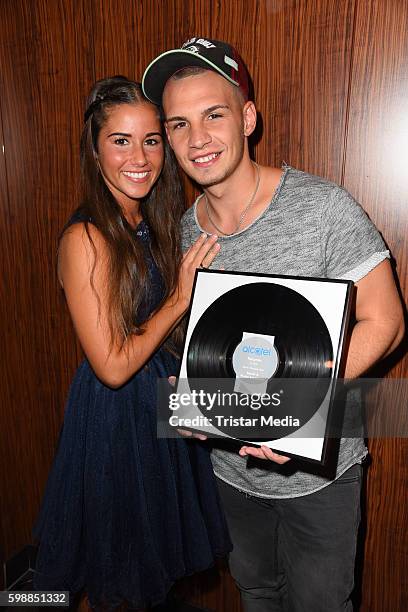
x,y
114,366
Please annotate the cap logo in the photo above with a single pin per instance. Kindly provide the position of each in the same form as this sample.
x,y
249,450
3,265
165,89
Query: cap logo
x,y
198,41
193,49
189,42
205,43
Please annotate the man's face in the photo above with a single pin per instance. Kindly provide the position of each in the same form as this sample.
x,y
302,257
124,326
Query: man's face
x,y
206,124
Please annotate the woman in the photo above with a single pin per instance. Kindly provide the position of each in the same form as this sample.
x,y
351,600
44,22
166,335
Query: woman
x,y
125,514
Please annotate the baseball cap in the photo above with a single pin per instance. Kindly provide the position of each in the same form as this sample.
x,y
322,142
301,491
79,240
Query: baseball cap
x,y
210,54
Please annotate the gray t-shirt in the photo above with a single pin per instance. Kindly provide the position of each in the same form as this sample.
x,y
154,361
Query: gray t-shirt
x,y
312,227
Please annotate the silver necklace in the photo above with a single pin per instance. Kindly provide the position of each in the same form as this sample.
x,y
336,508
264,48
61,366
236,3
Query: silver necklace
x,y
245,211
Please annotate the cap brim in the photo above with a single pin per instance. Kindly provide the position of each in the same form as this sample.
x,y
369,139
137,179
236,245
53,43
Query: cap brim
x,y
165,65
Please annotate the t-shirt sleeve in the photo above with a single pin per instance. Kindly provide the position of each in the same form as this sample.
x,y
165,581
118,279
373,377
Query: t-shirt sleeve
x,y
351,244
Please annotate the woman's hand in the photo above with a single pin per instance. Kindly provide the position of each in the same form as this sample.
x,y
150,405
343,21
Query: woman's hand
x,y
87,301
200,254
185,432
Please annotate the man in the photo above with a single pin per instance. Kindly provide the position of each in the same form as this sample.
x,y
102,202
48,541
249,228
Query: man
x,y
294,529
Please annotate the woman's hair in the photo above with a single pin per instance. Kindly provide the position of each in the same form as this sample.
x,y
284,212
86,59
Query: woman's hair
x,y
162,208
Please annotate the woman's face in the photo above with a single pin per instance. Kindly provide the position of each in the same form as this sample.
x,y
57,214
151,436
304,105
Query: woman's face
x,y
131,151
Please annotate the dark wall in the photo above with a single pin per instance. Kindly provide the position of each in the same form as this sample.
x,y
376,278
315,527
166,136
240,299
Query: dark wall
x,y
331,86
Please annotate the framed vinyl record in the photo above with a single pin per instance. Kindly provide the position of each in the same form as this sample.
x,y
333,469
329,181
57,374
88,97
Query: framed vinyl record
x,y
261,357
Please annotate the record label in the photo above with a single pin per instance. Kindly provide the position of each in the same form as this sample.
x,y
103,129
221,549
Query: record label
x,y
255,358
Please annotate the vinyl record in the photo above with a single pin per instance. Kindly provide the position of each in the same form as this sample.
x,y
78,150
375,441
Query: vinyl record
x,y
297,365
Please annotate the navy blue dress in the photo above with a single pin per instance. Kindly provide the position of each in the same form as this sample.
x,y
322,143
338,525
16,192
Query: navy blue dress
x,y
126,513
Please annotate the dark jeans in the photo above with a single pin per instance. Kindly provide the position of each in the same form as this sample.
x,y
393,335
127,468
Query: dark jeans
x,y
295,555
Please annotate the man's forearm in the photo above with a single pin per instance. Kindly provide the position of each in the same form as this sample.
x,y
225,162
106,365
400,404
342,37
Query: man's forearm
x,y
370,342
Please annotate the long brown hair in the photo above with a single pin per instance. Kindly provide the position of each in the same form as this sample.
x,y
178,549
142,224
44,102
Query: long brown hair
x,y
162,208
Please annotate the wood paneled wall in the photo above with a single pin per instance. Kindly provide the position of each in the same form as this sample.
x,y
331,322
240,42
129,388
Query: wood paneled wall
x,y
331,86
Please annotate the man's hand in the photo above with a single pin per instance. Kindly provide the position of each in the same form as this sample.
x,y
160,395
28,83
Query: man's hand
x,y
263,452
